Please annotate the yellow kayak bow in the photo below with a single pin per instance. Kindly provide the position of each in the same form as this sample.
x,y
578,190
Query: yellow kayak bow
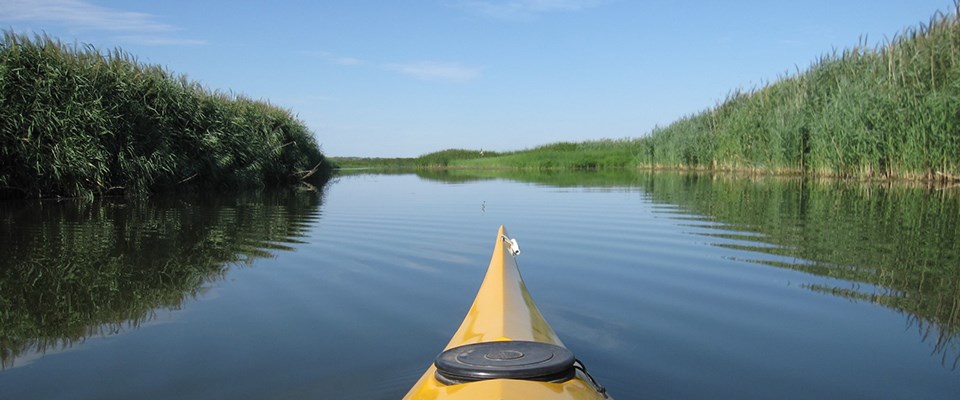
x,y
504,349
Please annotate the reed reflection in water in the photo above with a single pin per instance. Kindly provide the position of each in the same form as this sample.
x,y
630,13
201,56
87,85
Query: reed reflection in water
x,y
70,270
897,246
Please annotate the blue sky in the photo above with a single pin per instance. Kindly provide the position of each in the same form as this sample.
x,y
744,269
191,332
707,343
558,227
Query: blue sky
x,y
407,77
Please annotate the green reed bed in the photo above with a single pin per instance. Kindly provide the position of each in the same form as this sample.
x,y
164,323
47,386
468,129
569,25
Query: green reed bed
x,y
599,154
438,159
564,155
372,162
451,157
75,121
889,111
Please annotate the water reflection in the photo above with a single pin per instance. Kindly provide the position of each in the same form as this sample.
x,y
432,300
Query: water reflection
x,y
893,245
72,270
902,241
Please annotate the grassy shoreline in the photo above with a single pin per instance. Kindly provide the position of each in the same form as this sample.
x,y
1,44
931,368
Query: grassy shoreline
x,y
888,111
885,112
78,122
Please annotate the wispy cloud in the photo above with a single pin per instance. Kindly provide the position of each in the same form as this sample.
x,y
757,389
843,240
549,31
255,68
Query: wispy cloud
x,y
80,15
436,71
525,9
423,70
346,61
161,41
334,58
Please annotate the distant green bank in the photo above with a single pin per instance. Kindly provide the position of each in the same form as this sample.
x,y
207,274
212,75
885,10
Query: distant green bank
x,y
892,111
439,159
75,121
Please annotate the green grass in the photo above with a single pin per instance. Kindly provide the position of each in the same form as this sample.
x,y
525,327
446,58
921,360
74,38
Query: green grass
x,y
888,111
581,156
563,155
372,162
448,158
75,121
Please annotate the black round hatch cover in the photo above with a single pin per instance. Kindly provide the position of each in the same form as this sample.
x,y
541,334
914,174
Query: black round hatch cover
x,y
524,360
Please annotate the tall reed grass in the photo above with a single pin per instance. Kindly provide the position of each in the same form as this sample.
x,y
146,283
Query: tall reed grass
x,y
75,121
892,110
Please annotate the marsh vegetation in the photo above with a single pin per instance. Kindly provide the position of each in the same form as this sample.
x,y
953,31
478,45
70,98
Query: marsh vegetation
x,y
78,121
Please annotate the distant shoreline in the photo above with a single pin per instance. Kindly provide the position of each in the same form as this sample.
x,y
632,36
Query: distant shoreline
x,y
889,112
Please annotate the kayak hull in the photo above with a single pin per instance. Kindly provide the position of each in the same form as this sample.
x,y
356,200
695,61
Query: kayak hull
x,y
503,310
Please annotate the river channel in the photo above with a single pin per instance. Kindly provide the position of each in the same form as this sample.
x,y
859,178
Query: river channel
x,y
667,286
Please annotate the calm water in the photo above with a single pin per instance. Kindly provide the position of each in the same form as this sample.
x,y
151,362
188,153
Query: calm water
x,y
667,286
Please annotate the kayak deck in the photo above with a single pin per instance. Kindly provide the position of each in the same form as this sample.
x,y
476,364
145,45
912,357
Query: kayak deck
x,y
504,311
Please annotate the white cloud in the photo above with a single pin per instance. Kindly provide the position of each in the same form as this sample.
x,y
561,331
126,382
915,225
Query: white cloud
x,y
161,41
334,58
436,71
80,15
423,70
346,61
525,9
